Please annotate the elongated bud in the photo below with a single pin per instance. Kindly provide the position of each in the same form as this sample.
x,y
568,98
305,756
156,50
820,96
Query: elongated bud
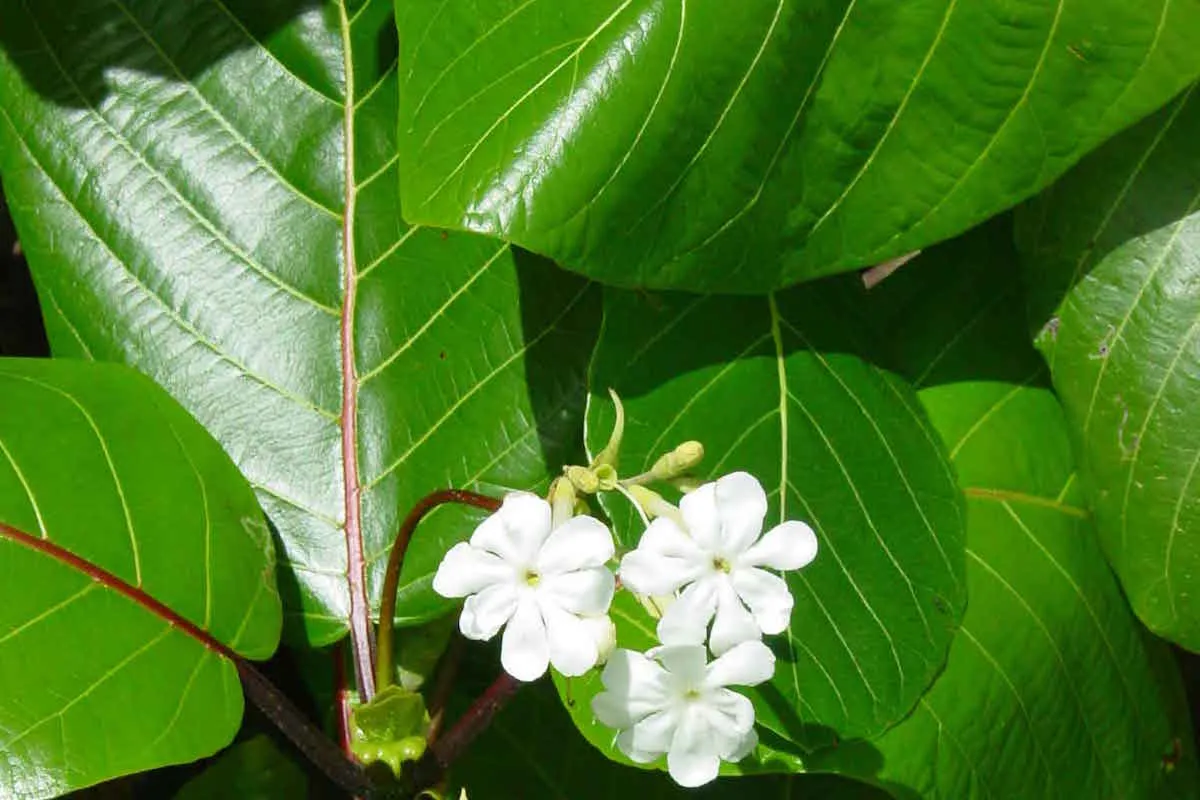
x,y
678,461
562,501
654,505
608,456
687,484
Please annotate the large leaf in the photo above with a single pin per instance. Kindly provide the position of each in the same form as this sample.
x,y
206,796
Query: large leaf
x,y
772,385
1052,688
1113,255
221,210
101,470
530,750
744,146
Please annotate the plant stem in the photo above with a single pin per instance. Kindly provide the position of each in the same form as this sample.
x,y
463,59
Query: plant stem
x,y
444,685
446,750
391,580
318,748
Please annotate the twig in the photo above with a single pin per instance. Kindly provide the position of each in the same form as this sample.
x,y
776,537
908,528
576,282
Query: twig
x,y
446,750
391,580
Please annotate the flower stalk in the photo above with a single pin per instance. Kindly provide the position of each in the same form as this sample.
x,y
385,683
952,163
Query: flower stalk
x,y
384,667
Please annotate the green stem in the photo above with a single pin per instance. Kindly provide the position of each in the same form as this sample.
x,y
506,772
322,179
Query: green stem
x,y
391,581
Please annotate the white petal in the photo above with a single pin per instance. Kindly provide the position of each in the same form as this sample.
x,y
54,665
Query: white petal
x,y
699,509
733,713
730,716
685,663
634,687
604,634
666,559
650,738
485,613
578,543
692,761
465,570
747,664
572,645
517,530
742,747
790,545
525,650
686,620
767,595
741,508
588,591
733,624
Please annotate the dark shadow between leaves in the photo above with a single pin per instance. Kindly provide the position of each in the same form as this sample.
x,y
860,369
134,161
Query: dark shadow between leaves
x,y
71,51
560,321
21,329
1140,181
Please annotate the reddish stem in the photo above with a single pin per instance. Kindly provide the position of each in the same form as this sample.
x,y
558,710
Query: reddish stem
x,y
391,580
447,749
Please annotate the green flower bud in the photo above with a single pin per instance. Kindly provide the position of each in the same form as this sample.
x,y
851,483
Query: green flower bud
x,y
678,461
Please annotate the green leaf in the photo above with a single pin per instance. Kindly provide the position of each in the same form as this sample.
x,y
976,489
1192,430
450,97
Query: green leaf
x,y
510,760
1113,255
119,499
222,211
745,146
773,386
1052,688
256,769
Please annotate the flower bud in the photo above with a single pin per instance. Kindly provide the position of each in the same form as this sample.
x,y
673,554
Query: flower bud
x,y
605,634
583,479
678,461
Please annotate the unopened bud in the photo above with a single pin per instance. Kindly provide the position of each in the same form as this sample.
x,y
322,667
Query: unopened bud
x,y
583,479
678,461
654,505
562,501
606,477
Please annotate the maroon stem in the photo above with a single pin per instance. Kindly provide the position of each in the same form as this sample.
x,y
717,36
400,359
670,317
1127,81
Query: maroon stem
x,y
447,749
391,580
274,704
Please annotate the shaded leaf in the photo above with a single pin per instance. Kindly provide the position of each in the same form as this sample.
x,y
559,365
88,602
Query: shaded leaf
x,y
745,146
1052,688
774,386
256,769
1112,253
98,466
221,210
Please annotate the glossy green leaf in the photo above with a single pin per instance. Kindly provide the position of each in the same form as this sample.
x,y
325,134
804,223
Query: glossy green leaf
x,y
1113,255
773,386
100,462
208,191
745,146
256,769
510,761
1052,688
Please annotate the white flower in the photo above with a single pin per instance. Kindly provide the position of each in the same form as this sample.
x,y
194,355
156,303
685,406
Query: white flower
x,y
547,586
671,701
717,563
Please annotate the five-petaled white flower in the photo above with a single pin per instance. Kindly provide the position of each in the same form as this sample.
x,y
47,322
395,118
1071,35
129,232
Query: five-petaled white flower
x,y
717,563
671,701
545,587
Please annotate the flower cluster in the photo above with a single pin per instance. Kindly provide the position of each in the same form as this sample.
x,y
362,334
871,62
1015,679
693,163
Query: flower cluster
x,y
542,574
